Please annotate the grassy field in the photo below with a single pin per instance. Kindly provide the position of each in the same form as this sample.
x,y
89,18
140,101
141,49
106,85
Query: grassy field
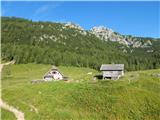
x,y
133,97
6,115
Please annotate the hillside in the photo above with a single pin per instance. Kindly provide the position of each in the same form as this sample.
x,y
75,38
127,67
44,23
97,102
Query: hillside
x,y
69,44
134,97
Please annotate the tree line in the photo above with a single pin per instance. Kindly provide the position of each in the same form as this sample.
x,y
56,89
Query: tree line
x,y
48,43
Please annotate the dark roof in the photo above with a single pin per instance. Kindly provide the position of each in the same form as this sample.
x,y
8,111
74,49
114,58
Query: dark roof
x,y
48,76
112,67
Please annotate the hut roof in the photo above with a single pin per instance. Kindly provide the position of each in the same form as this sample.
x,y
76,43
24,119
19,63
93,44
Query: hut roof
x,y
112,67
54,68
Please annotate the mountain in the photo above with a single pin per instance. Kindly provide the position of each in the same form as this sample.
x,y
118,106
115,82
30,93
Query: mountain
x,y
71,45
109,35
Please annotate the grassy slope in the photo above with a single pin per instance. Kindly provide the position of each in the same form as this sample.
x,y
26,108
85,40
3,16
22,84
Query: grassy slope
x,y
135,97
6,115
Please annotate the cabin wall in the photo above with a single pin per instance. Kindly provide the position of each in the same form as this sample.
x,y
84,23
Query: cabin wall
x,y
58,76
48,78
122,73
112,74
53,75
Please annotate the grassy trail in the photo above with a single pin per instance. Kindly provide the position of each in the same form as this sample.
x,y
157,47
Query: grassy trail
x,y
18,114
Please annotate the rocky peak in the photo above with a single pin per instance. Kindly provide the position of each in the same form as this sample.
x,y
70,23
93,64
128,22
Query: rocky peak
x,y
74,26
102,29
109,35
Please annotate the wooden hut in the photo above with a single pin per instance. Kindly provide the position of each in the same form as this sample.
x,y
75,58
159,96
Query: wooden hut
x,y
112,71
53,74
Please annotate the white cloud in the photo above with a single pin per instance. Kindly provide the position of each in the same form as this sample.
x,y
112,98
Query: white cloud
x,y
46,8
2,12
5,7
42,9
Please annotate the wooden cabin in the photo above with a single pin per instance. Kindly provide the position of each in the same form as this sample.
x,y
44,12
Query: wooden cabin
x,y
112,71
53,74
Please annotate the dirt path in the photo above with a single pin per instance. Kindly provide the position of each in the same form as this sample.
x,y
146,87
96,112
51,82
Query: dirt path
x,y
18,114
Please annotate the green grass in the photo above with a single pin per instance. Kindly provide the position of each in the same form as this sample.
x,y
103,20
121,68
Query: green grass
x,y
6,115
134,97
2,61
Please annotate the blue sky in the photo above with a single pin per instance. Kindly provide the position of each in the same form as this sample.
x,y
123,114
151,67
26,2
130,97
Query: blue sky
x,y
134,18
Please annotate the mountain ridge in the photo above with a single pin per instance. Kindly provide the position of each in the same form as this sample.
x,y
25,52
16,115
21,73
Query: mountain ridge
x,y
69,44
107,34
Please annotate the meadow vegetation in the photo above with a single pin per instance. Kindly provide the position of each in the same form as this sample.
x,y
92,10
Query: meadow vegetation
x,y
133,97
6,115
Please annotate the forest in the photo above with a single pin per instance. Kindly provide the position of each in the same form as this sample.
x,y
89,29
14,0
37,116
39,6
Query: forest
x,y
27,41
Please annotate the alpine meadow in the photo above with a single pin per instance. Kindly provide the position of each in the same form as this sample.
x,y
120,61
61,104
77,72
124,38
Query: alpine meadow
x,y
62,71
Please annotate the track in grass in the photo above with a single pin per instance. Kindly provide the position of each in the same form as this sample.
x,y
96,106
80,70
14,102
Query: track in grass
x,y
19,115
